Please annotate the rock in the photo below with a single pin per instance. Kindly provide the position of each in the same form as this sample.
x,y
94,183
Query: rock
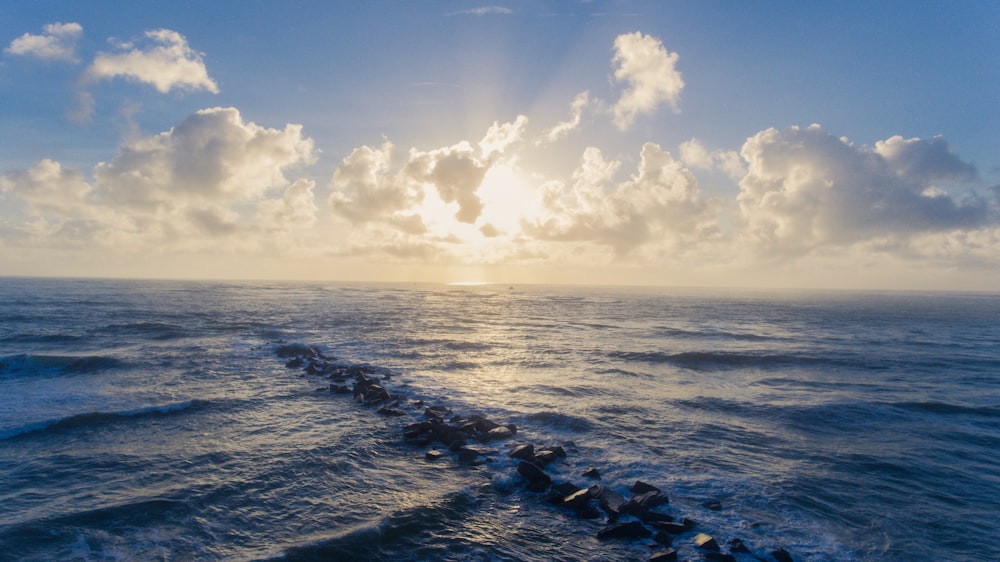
x,y
295,363
512,428
630,530
672,528
537,486
482,424
641,487
559,492
736,545
588,511
592,473
611,502
577,499
500,432
533,474
655,517
559,451
644,502
467,455
719,557
781,555
438,412
663,555
433,455
714,505
295,349
705,542
664,538
387,411
546,456
524,452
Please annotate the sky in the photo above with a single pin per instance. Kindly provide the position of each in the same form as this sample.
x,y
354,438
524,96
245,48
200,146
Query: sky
x,y
843,145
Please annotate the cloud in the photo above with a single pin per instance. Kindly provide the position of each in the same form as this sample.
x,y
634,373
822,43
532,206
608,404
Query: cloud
x,y
205,179
56,43
166,63
581,101
648,71
372,185
660,203
212,156
806,189
484,11
695,155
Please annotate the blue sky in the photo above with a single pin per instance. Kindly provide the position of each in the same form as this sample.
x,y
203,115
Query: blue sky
x,y
840,144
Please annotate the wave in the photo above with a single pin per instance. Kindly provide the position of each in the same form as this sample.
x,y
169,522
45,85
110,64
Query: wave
x,y
28,364
670,331
562,421
715,360
99,418
149,330
949,409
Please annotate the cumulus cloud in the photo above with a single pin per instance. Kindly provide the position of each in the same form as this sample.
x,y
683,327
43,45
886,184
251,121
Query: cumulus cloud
x,y
166,62
695,155
56,43
648,71
660,203
200,180
807,189
211,156
374,185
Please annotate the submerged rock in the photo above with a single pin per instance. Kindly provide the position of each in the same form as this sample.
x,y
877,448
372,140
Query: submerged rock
x,y
663,555
781,555
592,473
630,530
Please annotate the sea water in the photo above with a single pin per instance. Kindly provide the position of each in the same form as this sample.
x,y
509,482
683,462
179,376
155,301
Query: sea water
x,y
145,420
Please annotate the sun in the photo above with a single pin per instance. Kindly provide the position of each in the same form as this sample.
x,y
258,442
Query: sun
x,y
506,195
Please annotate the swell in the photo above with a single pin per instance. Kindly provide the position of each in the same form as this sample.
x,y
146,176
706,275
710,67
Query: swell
x,y
23,364
97,419
711,360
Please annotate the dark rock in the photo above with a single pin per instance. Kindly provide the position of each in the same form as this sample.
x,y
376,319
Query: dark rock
x,y
533,473
559,492
588,511
714,505
664,555
524,452
546,456
559,451
418,427
295,363
577,499
719,557
611,502
438,412
467,455
664,538
592,473
705,542
387,411
781,555
736,545
644,502
672,528
630,530
482,424
655,517
433,455
641,487
512,428
537,486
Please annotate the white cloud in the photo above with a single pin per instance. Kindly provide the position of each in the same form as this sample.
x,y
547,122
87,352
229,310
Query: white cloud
x,y
695,155
57,42
166,62
659,205
367,188
580,102
649,72
182,190
806,189
484,11
500,136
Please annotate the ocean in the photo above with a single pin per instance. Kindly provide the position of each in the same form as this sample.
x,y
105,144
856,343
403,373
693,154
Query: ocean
x,y
155,420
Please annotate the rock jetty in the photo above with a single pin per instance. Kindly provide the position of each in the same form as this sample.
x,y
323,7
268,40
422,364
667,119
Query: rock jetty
x,y
475,440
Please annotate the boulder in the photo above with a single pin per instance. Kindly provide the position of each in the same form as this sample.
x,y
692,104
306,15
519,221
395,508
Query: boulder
x,y
705,542
714,505
781,555
546,456
577,499
533,474
433,455
663,555
559,492
524,452
644,502
630,530
611,501
592,473
719,557
655,517
736,545
499,432
664,538
672,528
641,487
295,363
